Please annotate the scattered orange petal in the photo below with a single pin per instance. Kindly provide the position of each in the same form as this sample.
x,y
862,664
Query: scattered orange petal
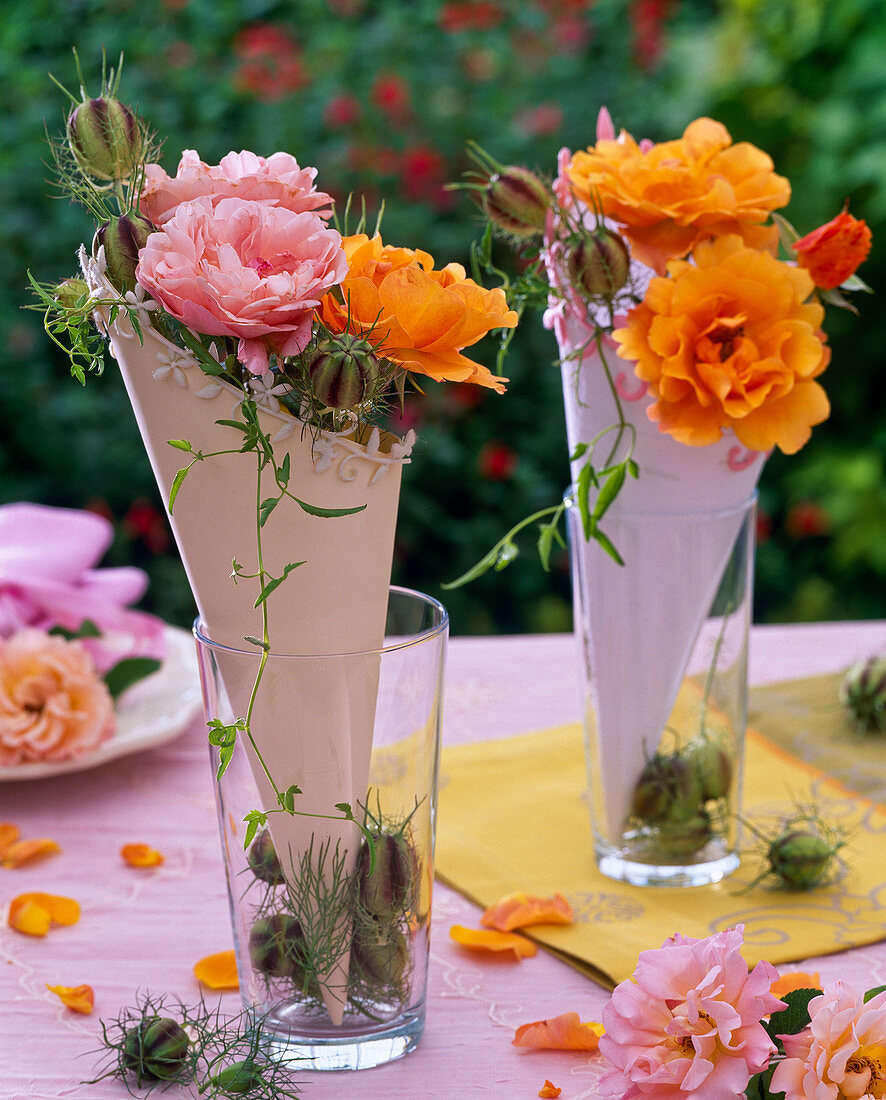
x,y
520,910
563,1032
794,979
479,939
218,971
23,851
9,834
141,855
78,998
34,913
549,1091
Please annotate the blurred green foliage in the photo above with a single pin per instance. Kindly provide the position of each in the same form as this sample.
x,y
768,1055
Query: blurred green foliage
x,y
382,96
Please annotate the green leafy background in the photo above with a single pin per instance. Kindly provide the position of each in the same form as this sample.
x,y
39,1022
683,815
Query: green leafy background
x,y
382,96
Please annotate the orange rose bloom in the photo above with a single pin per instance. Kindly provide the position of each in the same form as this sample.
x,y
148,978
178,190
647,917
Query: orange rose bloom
x,y
834,251
418,317
672,195
730,342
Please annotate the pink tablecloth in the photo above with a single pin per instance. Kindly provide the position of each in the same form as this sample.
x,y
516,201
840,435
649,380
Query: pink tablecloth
x,y
144,929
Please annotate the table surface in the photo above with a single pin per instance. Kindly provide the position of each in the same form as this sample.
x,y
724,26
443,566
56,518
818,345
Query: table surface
x,y
142,930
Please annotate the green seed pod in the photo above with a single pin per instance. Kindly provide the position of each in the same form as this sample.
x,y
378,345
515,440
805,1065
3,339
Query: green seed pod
x,y
105,138
516,201
712,765
380,955
155,1049
668,790
238,1079
863,693
123,239
387,891
263,861
344,371
801,858
71,293
684,838
276,946
598,264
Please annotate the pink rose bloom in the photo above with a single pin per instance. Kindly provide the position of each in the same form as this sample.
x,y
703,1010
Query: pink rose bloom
x,y
841,1055
53,704
47,579
276,181
245,269
688,1024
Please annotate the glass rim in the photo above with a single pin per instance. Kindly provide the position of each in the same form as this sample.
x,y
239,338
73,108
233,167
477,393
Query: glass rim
x,y
430,633
703,513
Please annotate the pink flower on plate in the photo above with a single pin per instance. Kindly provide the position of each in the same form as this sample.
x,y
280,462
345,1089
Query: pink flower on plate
x,y
277,180
48,578
841,1055
244,269
53,704
687,1026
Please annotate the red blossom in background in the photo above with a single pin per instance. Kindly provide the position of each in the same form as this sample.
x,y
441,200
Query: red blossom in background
x,y
647,21
143,521
423,176
270,62
540,121
497,461
390,94
805,519
571,33
342,111
469,15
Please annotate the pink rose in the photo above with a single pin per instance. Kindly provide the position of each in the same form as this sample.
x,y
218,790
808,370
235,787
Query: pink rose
x,y
48,578
245,269
688,1026
53,705
841,1055
276,181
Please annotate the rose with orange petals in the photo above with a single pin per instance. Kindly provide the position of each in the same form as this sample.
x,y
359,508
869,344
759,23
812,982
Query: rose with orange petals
x,y
417,316
53,704
671,195
730,341
834,252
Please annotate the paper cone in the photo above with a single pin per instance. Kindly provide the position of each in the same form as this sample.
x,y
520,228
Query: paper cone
x,y
334,603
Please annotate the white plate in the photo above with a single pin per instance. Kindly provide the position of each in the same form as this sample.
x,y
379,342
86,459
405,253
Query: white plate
x,y
153,711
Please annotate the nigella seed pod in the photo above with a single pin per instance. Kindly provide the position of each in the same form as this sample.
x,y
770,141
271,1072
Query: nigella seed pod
x,y
684,838
123,239
668,790
517,202
801,858
238,1079
344,371
105,138
598,264
155,1049
276,946
712,765
263,861
863,693
380,955
386,890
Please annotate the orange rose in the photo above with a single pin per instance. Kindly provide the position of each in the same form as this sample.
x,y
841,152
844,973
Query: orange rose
x,y
834,251
672,195
730,341
418,317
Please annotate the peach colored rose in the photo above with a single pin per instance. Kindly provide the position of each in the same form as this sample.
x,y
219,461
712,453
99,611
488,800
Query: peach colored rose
x,y
835,250
730,342
276,181
421,318
841,1055
671,195
244,269
688,1025
53,705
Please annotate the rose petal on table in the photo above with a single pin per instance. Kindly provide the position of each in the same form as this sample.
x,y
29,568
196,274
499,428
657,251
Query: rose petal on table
x,y
563,1032
141,855
549,1091
481,939
9,834
78,998
520,910
218,971
33,913
794,979
23,851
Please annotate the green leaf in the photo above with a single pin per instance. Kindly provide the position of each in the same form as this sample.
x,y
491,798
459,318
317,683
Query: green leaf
x,y
795,1017
87,629
275,582
257,641
506,555
873,992
548,534
582,493
233,424
611,488
581,449
326,513
181,445
127,672
255,819
283,472
265,509
345,808
177,482
607,545
287,798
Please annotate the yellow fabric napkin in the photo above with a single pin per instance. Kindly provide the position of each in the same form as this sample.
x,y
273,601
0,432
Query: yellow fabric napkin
x,y
513,817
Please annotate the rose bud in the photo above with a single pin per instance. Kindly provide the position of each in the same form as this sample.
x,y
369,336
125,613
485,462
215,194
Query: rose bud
x,y
863,693
801,858
123,239
156,1049
380,956
712,765
344,371
387,891
263,861
598,264
71,294
105,138
516,201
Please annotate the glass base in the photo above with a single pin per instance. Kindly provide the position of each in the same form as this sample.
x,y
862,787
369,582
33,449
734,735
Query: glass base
x,y
622,869
339,1048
